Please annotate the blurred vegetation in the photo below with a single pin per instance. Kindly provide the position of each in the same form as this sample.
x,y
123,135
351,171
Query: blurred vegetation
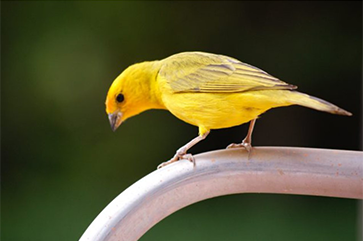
x,y
62,164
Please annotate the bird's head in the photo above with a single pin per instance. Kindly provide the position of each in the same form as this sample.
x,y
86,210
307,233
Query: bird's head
x,y
129,94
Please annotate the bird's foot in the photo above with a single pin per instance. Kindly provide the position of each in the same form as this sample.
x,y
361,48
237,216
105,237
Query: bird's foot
x,y
244,144
179,155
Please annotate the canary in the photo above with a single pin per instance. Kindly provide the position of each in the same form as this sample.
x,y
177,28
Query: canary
x,y
207,90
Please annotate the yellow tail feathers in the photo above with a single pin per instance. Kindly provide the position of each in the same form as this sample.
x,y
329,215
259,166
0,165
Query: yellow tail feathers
x,y
302,99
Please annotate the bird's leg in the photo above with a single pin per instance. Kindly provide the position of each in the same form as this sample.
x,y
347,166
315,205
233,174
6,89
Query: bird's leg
x,y
181,153
246,143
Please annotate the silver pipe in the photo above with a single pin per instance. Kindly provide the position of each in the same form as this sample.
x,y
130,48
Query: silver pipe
x,y
284,170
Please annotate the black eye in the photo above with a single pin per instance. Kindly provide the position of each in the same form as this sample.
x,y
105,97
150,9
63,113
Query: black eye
x,y
120,98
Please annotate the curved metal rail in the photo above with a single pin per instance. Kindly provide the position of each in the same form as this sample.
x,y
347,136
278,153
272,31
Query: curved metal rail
x,y
305,171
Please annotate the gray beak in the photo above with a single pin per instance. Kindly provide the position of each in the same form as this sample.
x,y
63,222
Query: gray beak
x,y
115,120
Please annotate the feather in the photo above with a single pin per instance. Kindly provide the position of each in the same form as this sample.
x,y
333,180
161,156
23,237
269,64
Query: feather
x,y
210,73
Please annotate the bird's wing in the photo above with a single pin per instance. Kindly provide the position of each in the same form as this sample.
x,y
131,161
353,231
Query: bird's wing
x,y
210,73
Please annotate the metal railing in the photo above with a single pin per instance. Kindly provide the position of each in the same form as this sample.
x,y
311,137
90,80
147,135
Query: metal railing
x,y
285,170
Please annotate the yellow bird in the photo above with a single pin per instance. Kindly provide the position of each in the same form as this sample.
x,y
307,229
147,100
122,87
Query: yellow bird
x,y
206,90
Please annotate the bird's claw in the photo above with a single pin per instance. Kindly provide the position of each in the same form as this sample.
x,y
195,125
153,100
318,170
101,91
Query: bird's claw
x,y
234,145
244,144
163,164
177,157
190,158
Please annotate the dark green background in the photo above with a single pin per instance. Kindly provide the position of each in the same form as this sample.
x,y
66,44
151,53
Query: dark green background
x,y
62,164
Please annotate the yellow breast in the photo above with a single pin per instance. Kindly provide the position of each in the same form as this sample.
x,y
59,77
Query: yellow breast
x,y
217,110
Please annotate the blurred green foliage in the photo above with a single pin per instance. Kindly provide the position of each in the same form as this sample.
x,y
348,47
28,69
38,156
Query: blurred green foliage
x,y
61,163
